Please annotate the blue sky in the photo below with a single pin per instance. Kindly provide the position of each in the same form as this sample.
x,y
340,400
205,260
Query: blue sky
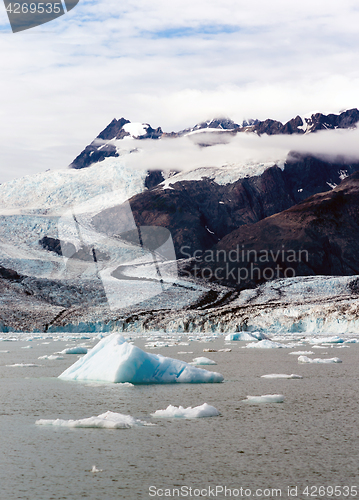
x,y
170,64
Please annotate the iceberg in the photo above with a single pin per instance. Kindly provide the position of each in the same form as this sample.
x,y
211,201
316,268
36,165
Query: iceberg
x,y
245,336
115,360
281,375
108,420
204,410
202,361
267,398
305,359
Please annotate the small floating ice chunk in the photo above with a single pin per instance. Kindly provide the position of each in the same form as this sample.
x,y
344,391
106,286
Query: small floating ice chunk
x,y
202,361
108,420
225,350
95,469
22,365
115,360
204,410
267,398
74,350
51,357
305,359
281,375
266,344
301,353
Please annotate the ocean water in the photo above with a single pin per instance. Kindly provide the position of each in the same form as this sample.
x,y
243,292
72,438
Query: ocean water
x,y
310,440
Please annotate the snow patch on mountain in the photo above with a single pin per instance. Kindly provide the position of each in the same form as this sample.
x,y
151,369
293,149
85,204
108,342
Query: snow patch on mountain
x,y
227,174
135,130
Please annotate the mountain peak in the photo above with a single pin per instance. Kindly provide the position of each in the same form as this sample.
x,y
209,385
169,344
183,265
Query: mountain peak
x,y
104,145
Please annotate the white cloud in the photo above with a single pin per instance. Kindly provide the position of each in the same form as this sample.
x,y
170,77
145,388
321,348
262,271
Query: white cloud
x,y
185,154
63,82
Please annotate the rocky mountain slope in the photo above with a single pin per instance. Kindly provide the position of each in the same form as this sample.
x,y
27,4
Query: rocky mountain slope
x,y
200,213
318,236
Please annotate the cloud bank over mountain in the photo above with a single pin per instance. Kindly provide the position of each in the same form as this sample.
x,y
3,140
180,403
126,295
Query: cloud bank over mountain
x,y
169,65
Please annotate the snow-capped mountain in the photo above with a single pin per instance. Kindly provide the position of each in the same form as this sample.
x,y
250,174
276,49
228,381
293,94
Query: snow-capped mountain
x,y
115,139
97,246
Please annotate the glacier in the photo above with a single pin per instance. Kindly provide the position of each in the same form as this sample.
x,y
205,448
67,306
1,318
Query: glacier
x,y
115,360
56,190
68,295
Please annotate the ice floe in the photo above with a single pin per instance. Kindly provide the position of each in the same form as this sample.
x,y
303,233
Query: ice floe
x,y
266,344
204,410
301,353
305,359
22,365
281,375
74,350
107,420
202,361
115,360
51,357
266,398
325,340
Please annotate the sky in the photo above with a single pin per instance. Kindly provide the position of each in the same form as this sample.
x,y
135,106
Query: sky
x,y
170,64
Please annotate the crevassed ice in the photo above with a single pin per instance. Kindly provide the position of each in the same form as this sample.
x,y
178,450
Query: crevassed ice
x,y
115,360
204,410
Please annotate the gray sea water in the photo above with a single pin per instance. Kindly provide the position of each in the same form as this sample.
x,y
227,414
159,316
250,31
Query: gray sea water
x,y
309,440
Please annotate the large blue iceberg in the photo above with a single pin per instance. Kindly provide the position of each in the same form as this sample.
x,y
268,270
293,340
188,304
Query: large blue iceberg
x,y
115,360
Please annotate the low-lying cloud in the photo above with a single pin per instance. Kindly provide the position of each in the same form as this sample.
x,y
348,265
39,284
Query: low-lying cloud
x,y
186,153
